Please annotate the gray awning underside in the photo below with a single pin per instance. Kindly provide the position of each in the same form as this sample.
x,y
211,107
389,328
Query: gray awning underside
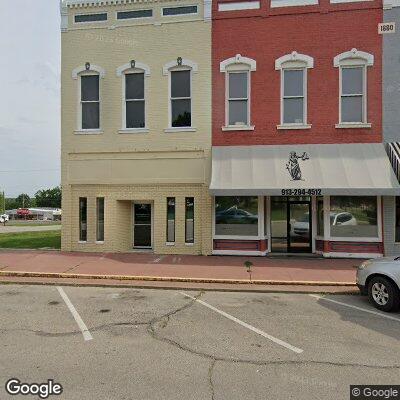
x,y
336,169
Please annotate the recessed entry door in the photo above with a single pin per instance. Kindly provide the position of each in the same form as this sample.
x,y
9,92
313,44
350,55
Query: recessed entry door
x,y
142,221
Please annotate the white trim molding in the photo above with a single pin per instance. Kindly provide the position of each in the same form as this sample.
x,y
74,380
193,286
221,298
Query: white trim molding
x,y
239,5
178,63
353,57
91,68
64,16
138,65
238,59
292,3
294,60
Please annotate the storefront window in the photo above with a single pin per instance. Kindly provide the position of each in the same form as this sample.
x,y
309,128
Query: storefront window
x,y
189,218
397,233
353,216
236,216
320,216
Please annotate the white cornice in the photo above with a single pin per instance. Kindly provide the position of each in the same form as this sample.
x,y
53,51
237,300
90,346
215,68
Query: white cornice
x,y
353,56
103,3
294,58
238,59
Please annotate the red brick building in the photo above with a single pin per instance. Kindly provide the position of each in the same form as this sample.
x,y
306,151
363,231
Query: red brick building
x,y
297,127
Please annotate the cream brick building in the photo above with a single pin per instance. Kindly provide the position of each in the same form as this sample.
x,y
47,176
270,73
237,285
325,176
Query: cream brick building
x,y
136,125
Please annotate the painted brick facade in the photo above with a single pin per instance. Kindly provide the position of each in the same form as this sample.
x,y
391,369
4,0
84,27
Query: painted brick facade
x,y
322,32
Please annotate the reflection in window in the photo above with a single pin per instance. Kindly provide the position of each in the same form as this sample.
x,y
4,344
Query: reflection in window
x,y
90,17
181,102
82,219
90,102
170,219
100,219
238,97
293,96
353,216
134,98
352,94
189,220
320,216
236,216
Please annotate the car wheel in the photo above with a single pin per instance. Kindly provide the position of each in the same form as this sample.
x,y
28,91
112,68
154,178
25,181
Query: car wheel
x,y
383,294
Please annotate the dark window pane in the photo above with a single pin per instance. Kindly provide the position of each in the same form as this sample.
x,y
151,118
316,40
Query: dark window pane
x,y
135,114
293,111
100,219
142,214
320,216
181,113
189,220
238,112
90,88
83,219
238,85
90,116
134,14
397,219
352,80
352,109
134,86
142,235
91,17
180,10
171,219
293,82
180,84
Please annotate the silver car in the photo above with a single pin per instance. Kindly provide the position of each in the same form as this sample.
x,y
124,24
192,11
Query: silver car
x,y
380,280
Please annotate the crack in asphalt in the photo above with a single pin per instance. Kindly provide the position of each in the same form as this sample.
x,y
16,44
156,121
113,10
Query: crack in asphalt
x,y
210,378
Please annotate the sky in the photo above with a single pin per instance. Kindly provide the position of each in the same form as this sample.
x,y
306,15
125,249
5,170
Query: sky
x,y
29,96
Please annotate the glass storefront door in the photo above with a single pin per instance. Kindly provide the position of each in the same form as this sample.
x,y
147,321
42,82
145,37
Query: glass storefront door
x,y
291,225
142,230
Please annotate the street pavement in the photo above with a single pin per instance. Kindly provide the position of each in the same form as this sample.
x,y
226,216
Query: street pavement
x,y
145,344
17,229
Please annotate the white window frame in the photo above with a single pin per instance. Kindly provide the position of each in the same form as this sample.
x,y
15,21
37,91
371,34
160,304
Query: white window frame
x,y
180,15
90,22
294,61
182,65
238,64
122,71
77,73
348,59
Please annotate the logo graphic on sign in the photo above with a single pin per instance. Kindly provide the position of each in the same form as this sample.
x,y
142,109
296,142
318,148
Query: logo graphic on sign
x,y
293,165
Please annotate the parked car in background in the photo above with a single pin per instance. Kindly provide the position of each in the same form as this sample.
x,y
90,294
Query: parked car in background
x,y
236,216
380,280
3,218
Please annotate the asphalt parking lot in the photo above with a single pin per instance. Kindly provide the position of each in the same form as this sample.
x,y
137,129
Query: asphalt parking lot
x,y
118,343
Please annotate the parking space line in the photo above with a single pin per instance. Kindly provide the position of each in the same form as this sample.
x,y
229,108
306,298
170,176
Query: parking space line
x,y
244,324
356,307
85,331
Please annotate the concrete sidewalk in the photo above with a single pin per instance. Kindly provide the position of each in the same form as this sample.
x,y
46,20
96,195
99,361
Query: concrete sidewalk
x,y
147,267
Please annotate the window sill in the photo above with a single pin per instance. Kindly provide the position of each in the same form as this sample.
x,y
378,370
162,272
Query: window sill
x,y
238,128
293,126
134,130
170,243
180,129
99,241
189,244
88,132
352,125
82,242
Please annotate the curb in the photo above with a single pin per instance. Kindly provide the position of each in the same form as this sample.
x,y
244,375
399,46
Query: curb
x,y
171,279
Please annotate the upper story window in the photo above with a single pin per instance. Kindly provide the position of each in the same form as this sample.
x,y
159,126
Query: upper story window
x,y
134,98
292,3
179,10
82,18
89,112
180,94
293,69
135,14
353,88
237,92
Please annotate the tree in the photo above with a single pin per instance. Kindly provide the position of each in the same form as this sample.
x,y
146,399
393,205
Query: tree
x,y
23,201
49,198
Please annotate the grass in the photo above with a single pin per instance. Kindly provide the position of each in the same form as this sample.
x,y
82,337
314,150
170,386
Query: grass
x,y
32,223
31,240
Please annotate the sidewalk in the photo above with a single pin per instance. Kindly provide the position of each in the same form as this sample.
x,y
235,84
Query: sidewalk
x,y
171,271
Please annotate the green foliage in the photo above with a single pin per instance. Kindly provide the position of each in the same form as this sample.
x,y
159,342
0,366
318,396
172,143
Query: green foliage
x,y
23,201
49,198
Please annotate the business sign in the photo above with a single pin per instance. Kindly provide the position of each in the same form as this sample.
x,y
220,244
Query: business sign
x,y
23,211
386,27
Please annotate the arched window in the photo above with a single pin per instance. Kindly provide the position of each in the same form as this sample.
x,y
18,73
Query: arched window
x,y
180,107
293,69
133,96
353,88
237,92
89,97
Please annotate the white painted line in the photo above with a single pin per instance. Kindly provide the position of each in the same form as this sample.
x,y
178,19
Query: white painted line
x,y
157,260
356,308
85,331
252,328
